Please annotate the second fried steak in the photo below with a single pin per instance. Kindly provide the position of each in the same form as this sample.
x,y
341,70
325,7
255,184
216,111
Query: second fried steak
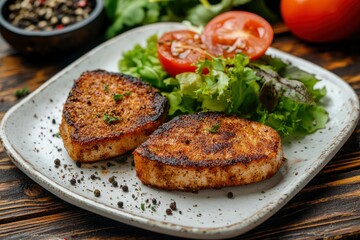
x,y
208,150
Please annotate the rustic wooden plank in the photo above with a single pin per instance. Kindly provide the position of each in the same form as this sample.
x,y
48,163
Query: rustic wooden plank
x,y
325,208
74,224
280,28
331,56
23,199
341,163
8,171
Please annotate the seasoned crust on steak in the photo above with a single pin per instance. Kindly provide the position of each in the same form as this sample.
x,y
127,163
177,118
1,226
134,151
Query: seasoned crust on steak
x,y
87,130
208,150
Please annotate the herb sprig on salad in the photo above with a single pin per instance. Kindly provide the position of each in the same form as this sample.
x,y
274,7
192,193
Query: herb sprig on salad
x,y
267,90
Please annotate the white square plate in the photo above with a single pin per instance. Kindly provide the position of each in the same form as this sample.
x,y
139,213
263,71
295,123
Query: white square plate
x,y
28,134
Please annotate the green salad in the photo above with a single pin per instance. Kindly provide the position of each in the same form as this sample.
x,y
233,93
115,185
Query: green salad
x,y
267,90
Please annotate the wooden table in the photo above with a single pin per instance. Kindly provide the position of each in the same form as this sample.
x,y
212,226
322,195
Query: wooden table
x,y
328,207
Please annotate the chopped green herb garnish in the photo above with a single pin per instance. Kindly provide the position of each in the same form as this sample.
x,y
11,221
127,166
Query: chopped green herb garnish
x,y
143,206
127,94
214,128
57,135
111,119
21,92
117,97
106,88
153,208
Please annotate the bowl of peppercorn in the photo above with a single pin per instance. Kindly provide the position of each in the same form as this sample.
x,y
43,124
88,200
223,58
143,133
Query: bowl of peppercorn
x,y
43,27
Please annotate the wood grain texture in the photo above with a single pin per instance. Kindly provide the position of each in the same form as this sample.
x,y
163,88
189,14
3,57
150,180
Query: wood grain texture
x,y
327,208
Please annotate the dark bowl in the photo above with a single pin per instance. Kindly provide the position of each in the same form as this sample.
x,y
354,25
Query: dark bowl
x,y
55,41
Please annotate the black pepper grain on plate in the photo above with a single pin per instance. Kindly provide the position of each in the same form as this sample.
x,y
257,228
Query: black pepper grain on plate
x,y
114,183
73,181
48,15
97,193
125,188
173,206
230,195
57,163
111,179
168,211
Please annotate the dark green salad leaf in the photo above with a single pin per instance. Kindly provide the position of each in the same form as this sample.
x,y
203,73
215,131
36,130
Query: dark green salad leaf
x,y
126,14
267,90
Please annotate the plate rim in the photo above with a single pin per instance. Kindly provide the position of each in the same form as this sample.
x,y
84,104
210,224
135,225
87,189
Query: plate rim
x,y
147,223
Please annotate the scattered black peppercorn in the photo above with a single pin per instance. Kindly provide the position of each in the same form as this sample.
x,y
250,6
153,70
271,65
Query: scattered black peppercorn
x,y
78,164
230,195
40,15
120,204
111,179
114,183
73,181
168,211
97,193
125,188
57,161
93,177
109,164
173,206
154,201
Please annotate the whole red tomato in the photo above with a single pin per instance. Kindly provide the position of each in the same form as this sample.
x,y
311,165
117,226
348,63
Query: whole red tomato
x,y
321,20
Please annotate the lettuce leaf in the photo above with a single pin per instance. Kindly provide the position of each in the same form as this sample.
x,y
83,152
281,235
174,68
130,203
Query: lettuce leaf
x,y
143,63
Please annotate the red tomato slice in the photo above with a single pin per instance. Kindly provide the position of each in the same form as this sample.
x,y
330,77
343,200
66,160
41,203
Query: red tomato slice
x,y
238,32
179,50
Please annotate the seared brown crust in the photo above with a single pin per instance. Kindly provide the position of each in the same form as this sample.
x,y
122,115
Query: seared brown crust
x,y
184,154
88,137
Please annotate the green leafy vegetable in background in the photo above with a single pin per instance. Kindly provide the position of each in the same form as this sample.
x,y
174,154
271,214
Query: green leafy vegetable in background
x,y
21,92
126,14
267,90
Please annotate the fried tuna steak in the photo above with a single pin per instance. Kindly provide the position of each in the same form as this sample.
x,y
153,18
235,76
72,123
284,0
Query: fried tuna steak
x,y
108,114
208,150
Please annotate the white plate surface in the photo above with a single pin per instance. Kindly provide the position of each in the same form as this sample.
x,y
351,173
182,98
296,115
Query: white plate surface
x,y
27,134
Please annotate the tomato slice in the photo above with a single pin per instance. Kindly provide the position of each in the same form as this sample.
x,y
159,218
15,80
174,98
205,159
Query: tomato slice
x,y
179,50
238,32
